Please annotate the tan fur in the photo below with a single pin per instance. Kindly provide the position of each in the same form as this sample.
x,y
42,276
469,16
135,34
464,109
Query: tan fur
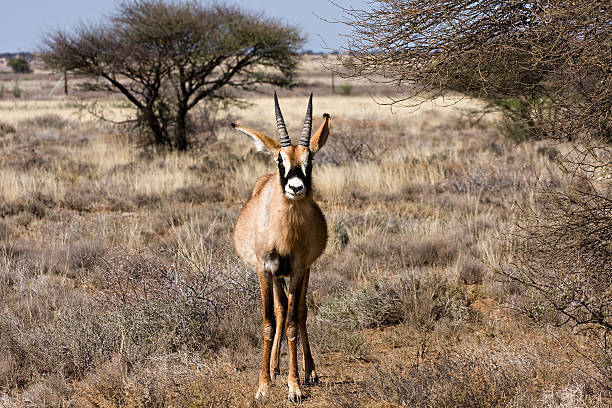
x,y
271,226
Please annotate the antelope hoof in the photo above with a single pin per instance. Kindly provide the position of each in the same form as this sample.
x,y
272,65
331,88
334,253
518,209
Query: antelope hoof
x,y
262,392
311,378
295,393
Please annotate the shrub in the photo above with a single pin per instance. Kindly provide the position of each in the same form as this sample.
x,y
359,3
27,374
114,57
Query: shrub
x,y
148,304
198,194
81,199
16,90
562,258
19,65
420,300
469,379
6,128
345,89
47,121
548,83
471,271
371,306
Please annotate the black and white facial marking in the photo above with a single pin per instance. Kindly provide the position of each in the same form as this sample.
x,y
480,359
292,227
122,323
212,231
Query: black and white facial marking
x,y
295,176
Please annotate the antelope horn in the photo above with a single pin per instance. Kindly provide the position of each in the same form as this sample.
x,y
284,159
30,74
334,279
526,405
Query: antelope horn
x,y
307,129
280,124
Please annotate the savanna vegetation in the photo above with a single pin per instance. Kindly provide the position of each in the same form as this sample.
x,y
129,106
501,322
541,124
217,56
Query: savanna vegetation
x,y
444,282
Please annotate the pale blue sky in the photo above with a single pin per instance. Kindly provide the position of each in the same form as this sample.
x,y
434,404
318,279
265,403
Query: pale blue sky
x,y
24,22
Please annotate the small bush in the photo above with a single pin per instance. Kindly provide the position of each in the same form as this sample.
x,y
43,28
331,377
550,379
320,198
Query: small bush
x,y
19,65
434,249
147,200
16,90
81,199
85,254
421,301
561,258
372,306
148,304
47,121
346,89
37,203
198,194
471,272
455,380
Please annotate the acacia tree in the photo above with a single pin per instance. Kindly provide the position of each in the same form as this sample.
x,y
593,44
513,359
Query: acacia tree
x,y
546,65
166,57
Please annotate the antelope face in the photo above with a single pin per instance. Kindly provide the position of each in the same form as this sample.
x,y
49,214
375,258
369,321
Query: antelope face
x,y
295,170
294,162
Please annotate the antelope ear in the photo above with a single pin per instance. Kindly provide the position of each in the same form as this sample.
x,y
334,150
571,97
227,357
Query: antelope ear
x,y
262,142
320,137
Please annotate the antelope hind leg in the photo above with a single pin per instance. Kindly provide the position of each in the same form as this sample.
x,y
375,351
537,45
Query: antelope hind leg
x,y
292,332
310,375
280,311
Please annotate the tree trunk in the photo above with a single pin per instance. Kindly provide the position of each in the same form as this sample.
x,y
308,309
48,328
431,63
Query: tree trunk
x,y
181,129
158,133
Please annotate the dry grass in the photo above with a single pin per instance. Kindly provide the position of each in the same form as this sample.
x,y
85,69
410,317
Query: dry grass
x,y
119,286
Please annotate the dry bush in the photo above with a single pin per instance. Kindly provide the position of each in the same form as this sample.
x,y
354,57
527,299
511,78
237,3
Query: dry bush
x,y
327,338
373,306
362,140
198,194
492,179
471,378
209,293
114,384
70,260
80,198
50,391
570,396
34,156
562,258
365,244
471,271
544,65
85,254
6,128
435,249
365,256
47,121
416,251
35,204
147,305
419,300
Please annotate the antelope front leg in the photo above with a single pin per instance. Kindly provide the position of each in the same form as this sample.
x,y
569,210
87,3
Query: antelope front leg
x,y
280,311
265,282
292,331
310,375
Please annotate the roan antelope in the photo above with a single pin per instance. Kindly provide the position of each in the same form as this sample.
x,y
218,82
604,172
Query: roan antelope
x,y
282,231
